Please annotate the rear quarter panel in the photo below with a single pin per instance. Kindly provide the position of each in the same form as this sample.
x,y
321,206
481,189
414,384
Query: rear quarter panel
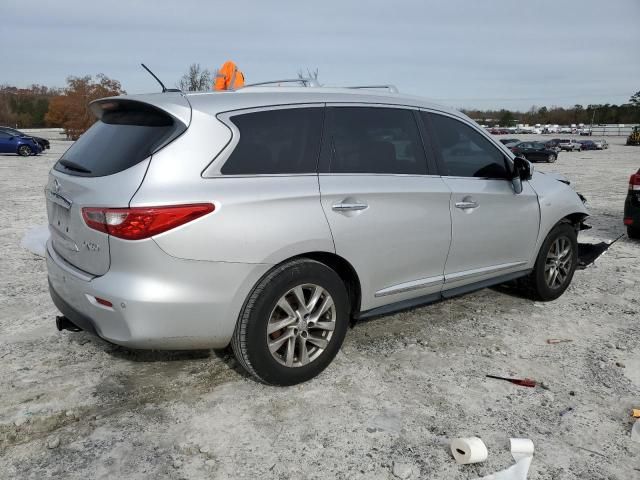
x,y
257,219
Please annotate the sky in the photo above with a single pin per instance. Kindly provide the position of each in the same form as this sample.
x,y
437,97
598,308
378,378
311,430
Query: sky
x,y
464,53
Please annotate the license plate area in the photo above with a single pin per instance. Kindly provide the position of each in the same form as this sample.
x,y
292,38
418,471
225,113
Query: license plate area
x,y
60,219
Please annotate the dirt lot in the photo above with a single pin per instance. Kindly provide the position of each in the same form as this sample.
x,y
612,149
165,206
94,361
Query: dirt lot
x,y
75,407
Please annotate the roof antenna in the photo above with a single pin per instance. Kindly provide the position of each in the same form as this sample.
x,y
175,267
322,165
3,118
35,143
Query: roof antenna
x,y
164,89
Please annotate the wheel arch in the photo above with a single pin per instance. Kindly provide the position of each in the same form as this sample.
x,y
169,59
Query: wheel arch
x,y
345,271
338,264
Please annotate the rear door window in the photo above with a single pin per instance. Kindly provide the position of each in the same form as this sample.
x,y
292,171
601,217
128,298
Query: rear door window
x,y
283,141
463,151
127,133
374,140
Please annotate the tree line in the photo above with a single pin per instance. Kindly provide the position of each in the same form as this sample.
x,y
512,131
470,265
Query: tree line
x,y
40,106
627,113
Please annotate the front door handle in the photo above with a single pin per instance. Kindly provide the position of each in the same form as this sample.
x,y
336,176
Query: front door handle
x,y
465,205
349,207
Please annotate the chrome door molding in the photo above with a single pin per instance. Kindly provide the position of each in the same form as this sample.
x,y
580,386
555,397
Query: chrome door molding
x,y
410,286
477,272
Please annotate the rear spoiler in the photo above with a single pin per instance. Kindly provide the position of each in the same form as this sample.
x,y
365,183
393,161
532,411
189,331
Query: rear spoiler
x,y
174,104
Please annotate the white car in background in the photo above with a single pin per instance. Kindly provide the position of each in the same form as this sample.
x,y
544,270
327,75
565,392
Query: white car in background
x,y
570,145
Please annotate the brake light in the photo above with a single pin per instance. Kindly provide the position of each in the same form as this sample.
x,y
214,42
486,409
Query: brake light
x,y
142,222
634,182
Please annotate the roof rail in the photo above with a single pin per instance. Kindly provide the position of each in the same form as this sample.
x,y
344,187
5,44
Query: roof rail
x,y
390,88
307,82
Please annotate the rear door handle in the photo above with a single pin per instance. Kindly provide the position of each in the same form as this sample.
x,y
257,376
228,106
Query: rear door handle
x,y
465,205
349,207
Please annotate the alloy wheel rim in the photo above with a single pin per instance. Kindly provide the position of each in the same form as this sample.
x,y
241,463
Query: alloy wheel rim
x,y
558,263
24,150
301,325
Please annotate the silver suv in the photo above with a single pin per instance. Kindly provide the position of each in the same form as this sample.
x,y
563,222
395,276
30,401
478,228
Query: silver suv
x,y
269,217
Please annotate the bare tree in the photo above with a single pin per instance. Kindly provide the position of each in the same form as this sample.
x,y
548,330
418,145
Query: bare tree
x,y
196,79
310,75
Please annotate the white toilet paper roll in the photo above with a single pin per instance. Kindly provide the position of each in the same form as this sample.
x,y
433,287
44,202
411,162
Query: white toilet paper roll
x,y
468,450
521,447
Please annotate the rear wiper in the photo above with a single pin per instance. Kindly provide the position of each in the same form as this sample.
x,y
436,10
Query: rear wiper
x,y
74,166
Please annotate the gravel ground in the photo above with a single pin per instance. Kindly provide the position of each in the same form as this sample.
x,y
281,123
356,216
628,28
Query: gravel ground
x,y
402,386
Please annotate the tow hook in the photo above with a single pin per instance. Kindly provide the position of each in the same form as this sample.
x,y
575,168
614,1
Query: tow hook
x,y
63,323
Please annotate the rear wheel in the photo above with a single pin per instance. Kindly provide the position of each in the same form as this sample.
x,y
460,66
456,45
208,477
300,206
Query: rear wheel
x,y
24,150
633,232
555,265
293,323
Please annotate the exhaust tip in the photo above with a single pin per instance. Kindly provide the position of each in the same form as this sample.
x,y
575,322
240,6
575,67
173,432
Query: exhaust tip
x,y
63,323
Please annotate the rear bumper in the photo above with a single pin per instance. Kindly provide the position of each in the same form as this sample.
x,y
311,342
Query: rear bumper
x,y
158,301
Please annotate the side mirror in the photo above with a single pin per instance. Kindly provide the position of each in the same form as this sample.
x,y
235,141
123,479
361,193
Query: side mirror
x,y
522,170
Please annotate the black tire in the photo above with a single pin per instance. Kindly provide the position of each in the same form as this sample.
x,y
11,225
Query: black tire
x,y
551,158
535,284
250,338
633,232
24,150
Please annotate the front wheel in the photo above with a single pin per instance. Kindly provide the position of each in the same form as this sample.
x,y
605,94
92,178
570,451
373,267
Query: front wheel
x,y
24,150
555,265
293,323
551,158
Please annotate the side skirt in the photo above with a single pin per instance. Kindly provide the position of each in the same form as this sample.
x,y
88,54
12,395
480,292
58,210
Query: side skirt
x,y
436,297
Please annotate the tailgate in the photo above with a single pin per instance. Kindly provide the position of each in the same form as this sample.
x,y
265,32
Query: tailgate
x,y
81,246
105,168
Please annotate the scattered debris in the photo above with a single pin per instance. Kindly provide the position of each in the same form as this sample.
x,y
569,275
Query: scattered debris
x,y
468,450
620,364
635,413
402,470
565,411
35,239
522,452
589,450
635,431
53,443
590,252
553,341
523,382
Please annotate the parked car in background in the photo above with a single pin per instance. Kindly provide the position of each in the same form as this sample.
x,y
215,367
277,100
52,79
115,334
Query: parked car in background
x,y
43,142
585,132
588,144
153,239
552,145
632,207
601,144
21,145
535,152
570,145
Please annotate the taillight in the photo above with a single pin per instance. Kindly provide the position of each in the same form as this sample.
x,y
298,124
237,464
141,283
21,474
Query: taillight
x,y
142,222
634,182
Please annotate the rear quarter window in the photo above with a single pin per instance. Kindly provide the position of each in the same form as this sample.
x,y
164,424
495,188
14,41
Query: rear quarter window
x,y
127,133
283,141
